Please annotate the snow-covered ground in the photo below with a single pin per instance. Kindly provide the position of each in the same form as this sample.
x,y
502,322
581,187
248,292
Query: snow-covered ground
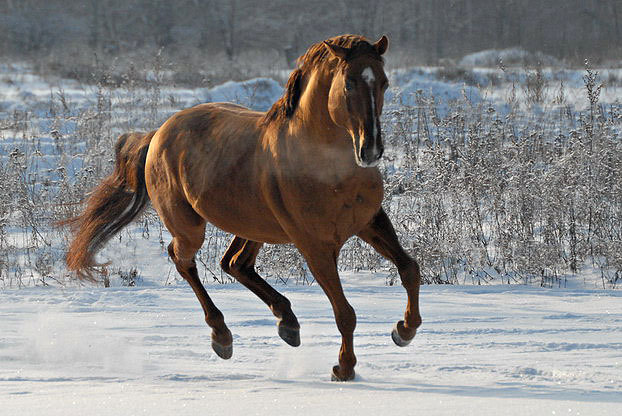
x,y
495,350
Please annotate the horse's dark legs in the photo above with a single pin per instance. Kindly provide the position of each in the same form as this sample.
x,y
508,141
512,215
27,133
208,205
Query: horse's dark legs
x,y
381,236
239,262
322,261
182,250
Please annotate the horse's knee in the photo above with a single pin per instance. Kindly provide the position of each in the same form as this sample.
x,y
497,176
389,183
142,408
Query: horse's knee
x,y
215,319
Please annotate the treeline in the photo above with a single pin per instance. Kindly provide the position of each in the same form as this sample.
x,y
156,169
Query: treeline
x,y
422,31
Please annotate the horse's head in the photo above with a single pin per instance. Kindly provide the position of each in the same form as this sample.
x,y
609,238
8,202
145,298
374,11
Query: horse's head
x,y
356,96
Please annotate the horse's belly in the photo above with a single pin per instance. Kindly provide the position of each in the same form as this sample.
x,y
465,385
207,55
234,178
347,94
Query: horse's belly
x,y
241,216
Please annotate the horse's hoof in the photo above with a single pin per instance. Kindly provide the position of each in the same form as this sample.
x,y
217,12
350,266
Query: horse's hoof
x,y
223,351
397,338
222,343
290,335
337,374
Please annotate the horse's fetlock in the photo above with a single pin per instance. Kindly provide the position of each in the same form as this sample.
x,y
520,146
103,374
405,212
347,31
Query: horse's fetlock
x,y
282,305
347,359
412,321
282,309
216,320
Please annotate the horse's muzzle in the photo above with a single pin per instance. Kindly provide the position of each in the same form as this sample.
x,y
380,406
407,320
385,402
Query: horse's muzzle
x,y
368,154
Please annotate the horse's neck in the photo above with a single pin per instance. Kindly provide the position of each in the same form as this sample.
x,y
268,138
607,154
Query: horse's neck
x,y
312,120
314,97
310,143
317,151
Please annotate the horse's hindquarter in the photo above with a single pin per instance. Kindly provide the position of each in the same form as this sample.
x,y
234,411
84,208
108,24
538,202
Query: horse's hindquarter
x,y
209,155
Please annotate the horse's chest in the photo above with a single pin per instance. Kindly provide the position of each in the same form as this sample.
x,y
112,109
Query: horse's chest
x,y
356,210
341,210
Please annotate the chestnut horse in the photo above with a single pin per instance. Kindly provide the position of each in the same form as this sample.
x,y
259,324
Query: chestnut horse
x,y
302,173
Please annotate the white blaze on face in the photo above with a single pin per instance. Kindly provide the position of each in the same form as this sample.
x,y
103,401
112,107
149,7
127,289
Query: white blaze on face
x,y
368,77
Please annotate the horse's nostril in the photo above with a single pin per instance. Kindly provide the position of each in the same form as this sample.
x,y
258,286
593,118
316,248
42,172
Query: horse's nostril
x,y
371,155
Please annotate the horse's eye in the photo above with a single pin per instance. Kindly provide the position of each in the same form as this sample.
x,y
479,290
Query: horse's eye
x,y
350,84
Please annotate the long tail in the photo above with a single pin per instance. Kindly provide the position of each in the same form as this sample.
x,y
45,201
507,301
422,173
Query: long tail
x,y
112,205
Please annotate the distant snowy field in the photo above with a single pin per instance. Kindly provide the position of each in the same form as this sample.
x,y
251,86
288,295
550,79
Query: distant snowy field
x,y
21,90
495,350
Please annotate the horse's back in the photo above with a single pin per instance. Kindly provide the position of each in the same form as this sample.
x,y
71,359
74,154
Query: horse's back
x,y
211,157
212,121
212,133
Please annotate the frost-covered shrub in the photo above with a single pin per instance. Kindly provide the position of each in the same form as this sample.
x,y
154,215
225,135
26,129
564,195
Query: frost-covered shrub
x,y
515,197
477,192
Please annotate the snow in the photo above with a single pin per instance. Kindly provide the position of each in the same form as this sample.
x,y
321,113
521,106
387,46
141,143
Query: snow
x,y
490,350
481,350
256,93
410,82
510,56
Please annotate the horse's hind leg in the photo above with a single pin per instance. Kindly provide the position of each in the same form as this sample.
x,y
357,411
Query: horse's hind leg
x,y
239,262
380,234
188,230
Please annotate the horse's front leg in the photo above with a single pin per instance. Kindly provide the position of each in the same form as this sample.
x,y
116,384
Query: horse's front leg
x,y
380,234
322,261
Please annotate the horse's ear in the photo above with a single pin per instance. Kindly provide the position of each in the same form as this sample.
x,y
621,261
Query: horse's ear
x,y
336,50
381,45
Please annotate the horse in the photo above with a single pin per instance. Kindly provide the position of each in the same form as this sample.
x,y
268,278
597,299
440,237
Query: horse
x,y
304,172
